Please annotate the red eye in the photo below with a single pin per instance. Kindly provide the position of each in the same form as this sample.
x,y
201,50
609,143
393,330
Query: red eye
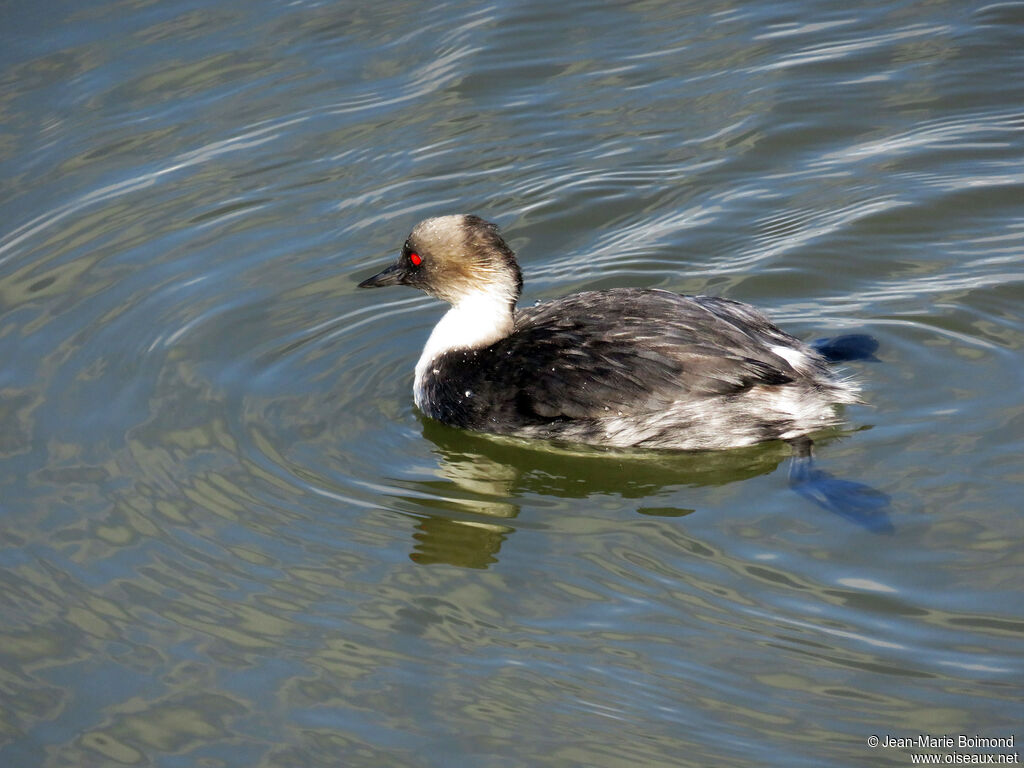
x,y
415,259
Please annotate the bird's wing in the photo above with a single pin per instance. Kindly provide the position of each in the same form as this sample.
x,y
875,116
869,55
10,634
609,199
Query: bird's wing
x,y
629,351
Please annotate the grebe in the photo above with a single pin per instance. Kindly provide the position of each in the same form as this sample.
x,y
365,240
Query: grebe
x,y
625,367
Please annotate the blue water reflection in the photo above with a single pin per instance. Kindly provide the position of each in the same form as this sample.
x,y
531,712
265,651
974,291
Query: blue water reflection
x,y
226,536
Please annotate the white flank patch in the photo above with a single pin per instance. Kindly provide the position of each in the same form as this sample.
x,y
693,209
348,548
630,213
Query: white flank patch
x,y
479,319
794,357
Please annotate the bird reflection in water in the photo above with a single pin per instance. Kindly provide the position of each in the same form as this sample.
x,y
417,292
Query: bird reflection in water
x,y
480,478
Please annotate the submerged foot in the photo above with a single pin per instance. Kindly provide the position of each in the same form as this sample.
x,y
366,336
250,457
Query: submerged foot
x,y
861,504
851,346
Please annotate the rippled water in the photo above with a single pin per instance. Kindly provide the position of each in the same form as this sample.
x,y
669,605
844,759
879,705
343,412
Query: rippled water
x,y
228,539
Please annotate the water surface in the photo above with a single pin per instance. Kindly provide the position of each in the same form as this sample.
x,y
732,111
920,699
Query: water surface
x,y
228,539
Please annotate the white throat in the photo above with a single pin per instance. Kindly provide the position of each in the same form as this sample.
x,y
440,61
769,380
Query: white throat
x,y
478,319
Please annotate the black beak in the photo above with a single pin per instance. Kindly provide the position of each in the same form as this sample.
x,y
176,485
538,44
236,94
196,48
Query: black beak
x,y
393,275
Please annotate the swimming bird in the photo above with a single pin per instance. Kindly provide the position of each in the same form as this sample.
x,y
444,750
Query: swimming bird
x,y
623,368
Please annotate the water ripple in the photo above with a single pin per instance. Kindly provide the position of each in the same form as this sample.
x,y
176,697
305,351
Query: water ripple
x,y
229,538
